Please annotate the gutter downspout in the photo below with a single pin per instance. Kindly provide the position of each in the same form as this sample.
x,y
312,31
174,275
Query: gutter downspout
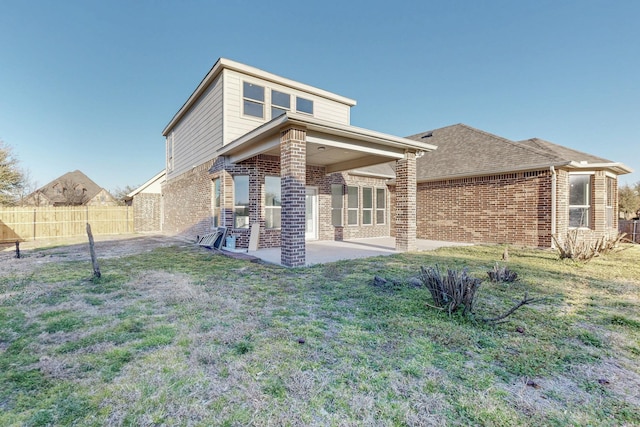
x,y
553,204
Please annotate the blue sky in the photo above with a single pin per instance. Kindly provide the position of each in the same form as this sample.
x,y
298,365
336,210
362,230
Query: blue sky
x,y
90,85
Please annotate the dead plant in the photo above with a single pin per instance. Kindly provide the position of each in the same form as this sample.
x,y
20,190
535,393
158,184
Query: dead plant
x,y
451,292
502,273
578,248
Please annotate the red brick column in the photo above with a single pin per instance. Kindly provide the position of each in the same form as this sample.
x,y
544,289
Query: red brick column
x,y
406,203
293,158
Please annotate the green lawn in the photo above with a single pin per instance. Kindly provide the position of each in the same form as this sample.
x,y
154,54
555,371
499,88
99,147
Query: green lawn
x,y
183,336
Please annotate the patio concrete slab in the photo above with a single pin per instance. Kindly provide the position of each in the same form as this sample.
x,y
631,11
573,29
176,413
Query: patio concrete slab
x,y
320,252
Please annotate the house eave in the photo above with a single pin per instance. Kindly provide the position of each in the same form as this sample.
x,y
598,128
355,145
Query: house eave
x,y
250,143
147,184
618,168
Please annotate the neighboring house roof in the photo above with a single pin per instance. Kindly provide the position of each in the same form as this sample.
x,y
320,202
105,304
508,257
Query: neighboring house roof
x,y
77,178
151,186
465,151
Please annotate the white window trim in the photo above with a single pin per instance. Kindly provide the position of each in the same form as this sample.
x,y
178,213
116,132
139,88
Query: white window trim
x,y
271,207
371,210
313,106
589,196
263,103
383,209
357,208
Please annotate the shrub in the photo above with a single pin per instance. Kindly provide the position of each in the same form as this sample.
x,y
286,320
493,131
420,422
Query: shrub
x,y
452,292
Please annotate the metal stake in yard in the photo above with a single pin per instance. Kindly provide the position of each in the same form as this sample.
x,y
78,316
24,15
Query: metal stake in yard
x,y
18,249
94,260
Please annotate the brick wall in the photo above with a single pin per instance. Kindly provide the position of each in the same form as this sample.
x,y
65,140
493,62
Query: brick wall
x,y
146,212
509,208
187,203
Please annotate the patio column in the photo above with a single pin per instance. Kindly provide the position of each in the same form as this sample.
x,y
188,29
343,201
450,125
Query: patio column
x,y
406,203
293,173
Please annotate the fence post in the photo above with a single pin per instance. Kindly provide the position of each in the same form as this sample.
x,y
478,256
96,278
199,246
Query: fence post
x,y
34,223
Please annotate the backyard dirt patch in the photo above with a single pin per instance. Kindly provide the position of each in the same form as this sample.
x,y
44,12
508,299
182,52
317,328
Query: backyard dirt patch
x,y
77,249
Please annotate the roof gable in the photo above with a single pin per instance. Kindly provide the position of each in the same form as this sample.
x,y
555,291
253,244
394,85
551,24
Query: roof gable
x,y
466,151
53,190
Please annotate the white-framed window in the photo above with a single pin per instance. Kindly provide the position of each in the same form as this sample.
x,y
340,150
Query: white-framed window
x,y
241,201
337,204
610,189
252,100
170,152
280,103
216,222
304,105
353,205
367,206
381,205
272,202
579,200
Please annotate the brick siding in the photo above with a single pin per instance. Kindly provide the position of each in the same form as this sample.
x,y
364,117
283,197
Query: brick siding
x,y
509,208
146,212
187,203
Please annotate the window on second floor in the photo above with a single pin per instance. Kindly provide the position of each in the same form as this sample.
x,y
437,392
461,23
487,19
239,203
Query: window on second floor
x,y
280,103
579,200
252,100
304,105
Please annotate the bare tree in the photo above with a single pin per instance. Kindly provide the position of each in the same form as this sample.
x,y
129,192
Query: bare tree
x,y
73,194
11,176
120,193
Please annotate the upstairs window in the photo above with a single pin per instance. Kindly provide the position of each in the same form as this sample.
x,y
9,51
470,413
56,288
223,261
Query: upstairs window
x,y
253,100
304,105
579,200
280,103
241,201
272,202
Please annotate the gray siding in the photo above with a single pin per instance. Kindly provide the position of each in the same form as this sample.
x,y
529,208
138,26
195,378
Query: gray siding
x,y
199,134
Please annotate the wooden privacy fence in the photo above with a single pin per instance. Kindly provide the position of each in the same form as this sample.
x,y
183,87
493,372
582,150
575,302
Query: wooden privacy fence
x,y
632,228
32,223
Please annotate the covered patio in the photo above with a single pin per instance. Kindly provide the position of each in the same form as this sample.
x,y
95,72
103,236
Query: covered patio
x,y
323,251
308,152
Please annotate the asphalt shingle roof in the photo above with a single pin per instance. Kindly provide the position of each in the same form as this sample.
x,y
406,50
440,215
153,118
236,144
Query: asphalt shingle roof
x,y
466,151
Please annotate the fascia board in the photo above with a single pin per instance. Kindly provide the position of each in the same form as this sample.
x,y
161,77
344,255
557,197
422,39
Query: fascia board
x,y
620,168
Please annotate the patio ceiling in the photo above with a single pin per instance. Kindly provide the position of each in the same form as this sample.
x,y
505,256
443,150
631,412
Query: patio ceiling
x,y
334,146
